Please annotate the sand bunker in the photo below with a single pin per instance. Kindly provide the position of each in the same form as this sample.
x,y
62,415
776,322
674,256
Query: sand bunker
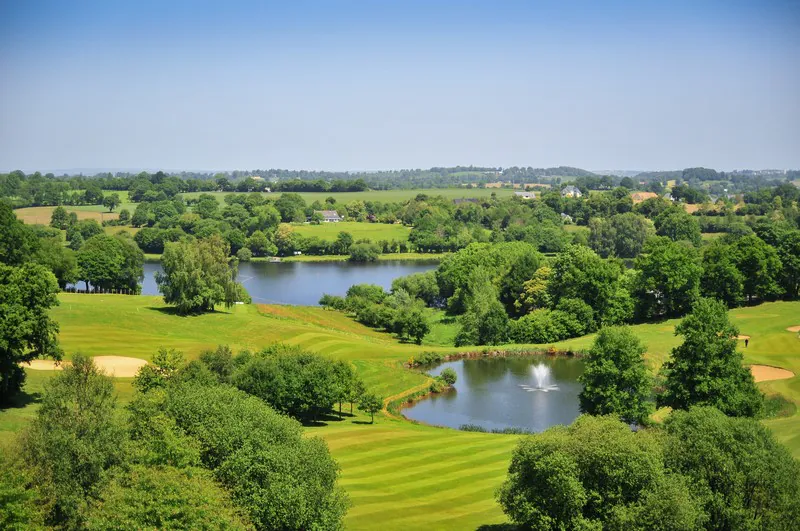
x,y
765,373
794,328
742,337
112,365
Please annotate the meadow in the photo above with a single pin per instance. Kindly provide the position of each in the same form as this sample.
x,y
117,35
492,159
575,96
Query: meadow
x,y
372,231
398,473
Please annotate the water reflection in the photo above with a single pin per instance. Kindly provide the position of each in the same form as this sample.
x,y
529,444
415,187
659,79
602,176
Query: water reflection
x,y
304,282
491,392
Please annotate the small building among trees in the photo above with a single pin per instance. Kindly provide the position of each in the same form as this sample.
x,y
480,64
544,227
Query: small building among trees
x,y
329,216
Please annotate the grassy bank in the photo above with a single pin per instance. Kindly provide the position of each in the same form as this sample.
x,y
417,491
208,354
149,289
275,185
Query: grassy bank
x,y
372,231
399,475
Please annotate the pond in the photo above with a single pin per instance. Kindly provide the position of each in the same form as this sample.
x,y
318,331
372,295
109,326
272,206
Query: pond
x,y
303,283
532,393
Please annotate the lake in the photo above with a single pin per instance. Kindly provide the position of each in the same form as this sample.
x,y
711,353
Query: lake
x,y
498,393
303,283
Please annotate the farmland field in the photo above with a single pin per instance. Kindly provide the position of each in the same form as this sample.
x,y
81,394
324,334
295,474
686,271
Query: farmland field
x,y
410,475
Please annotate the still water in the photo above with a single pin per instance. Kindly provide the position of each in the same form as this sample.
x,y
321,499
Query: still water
x,y
498,393
304,283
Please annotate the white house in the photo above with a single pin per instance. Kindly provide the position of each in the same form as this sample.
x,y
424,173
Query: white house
x,y
329,216
525,195
571,191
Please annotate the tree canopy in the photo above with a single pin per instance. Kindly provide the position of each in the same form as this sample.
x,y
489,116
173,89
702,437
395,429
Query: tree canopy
x,y
197,275
706,369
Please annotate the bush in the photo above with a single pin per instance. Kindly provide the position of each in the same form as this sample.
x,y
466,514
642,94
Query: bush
x,y
333,301
164,498
589,475
448,376
244,254
540,326
437,386
298,383
427,358
282,479
472,427
364,252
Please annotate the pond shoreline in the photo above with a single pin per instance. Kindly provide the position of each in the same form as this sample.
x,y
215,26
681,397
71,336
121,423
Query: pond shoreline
x,y
413,396
390,257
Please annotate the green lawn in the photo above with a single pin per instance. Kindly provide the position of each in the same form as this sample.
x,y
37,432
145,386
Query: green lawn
x,y
380,195
399,475
372,231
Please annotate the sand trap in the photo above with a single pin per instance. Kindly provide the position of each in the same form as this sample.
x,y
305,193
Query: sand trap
x,y
112,365
765,373
742,337
794,328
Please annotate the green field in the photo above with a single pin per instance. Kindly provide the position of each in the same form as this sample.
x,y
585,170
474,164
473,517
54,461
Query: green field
x,y
399,475
379,195
372,231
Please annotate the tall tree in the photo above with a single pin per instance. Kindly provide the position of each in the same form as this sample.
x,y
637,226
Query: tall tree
x,y
789,254
760,267
669,278
111,201
17,242
26,329
75,439
615,379
197,275
707,370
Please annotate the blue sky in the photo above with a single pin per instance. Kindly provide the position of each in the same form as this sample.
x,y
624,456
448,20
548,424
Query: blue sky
x,y
383,85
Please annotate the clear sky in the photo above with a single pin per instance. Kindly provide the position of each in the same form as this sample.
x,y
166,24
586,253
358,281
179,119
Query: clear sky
x,y
350,85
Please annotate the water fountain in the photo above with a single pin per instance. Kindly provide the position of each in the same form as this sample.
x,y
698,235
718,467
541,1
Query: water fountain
x,y
541,376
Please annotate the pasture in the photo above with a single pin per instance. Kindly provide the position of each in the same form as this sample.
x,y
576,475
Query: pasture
x,y
371,231
397,473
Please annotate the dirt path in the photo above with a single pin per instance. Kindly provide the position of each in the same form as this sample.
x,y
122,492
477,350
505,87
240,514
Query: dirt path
x,y
119,366
794,328
765,373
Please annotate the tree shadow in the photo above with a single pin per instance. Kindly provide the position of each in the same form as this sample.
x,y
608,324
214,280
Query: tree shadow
x,y
169,310
498,527
21,400
362,422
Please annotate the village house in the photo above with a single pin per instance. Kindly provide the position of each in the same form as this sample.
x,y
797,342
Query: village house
x,y
329,216
571,191
525,195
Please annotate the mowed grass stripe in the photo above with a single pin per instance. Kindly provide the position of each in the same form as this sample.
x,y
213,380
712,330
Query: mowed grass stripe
x,y
440,476
414,456
451,517
433,502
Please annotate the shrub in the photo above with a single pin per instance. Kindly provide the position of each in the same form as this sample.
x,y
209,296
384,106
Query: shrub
x,y
333,301
364,252
437,386
244,254
298,383
540,326
448,376
428,358
280,478
472,427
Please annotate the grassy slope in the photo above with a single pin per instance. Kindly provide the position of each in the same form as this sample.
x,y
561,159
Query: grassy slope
x,y
399,475
372,231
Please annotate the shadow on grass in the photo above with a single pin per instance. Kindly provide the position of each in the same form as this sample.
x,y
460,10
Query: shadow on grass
x,y
362,422
21,400
498,527
169,310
